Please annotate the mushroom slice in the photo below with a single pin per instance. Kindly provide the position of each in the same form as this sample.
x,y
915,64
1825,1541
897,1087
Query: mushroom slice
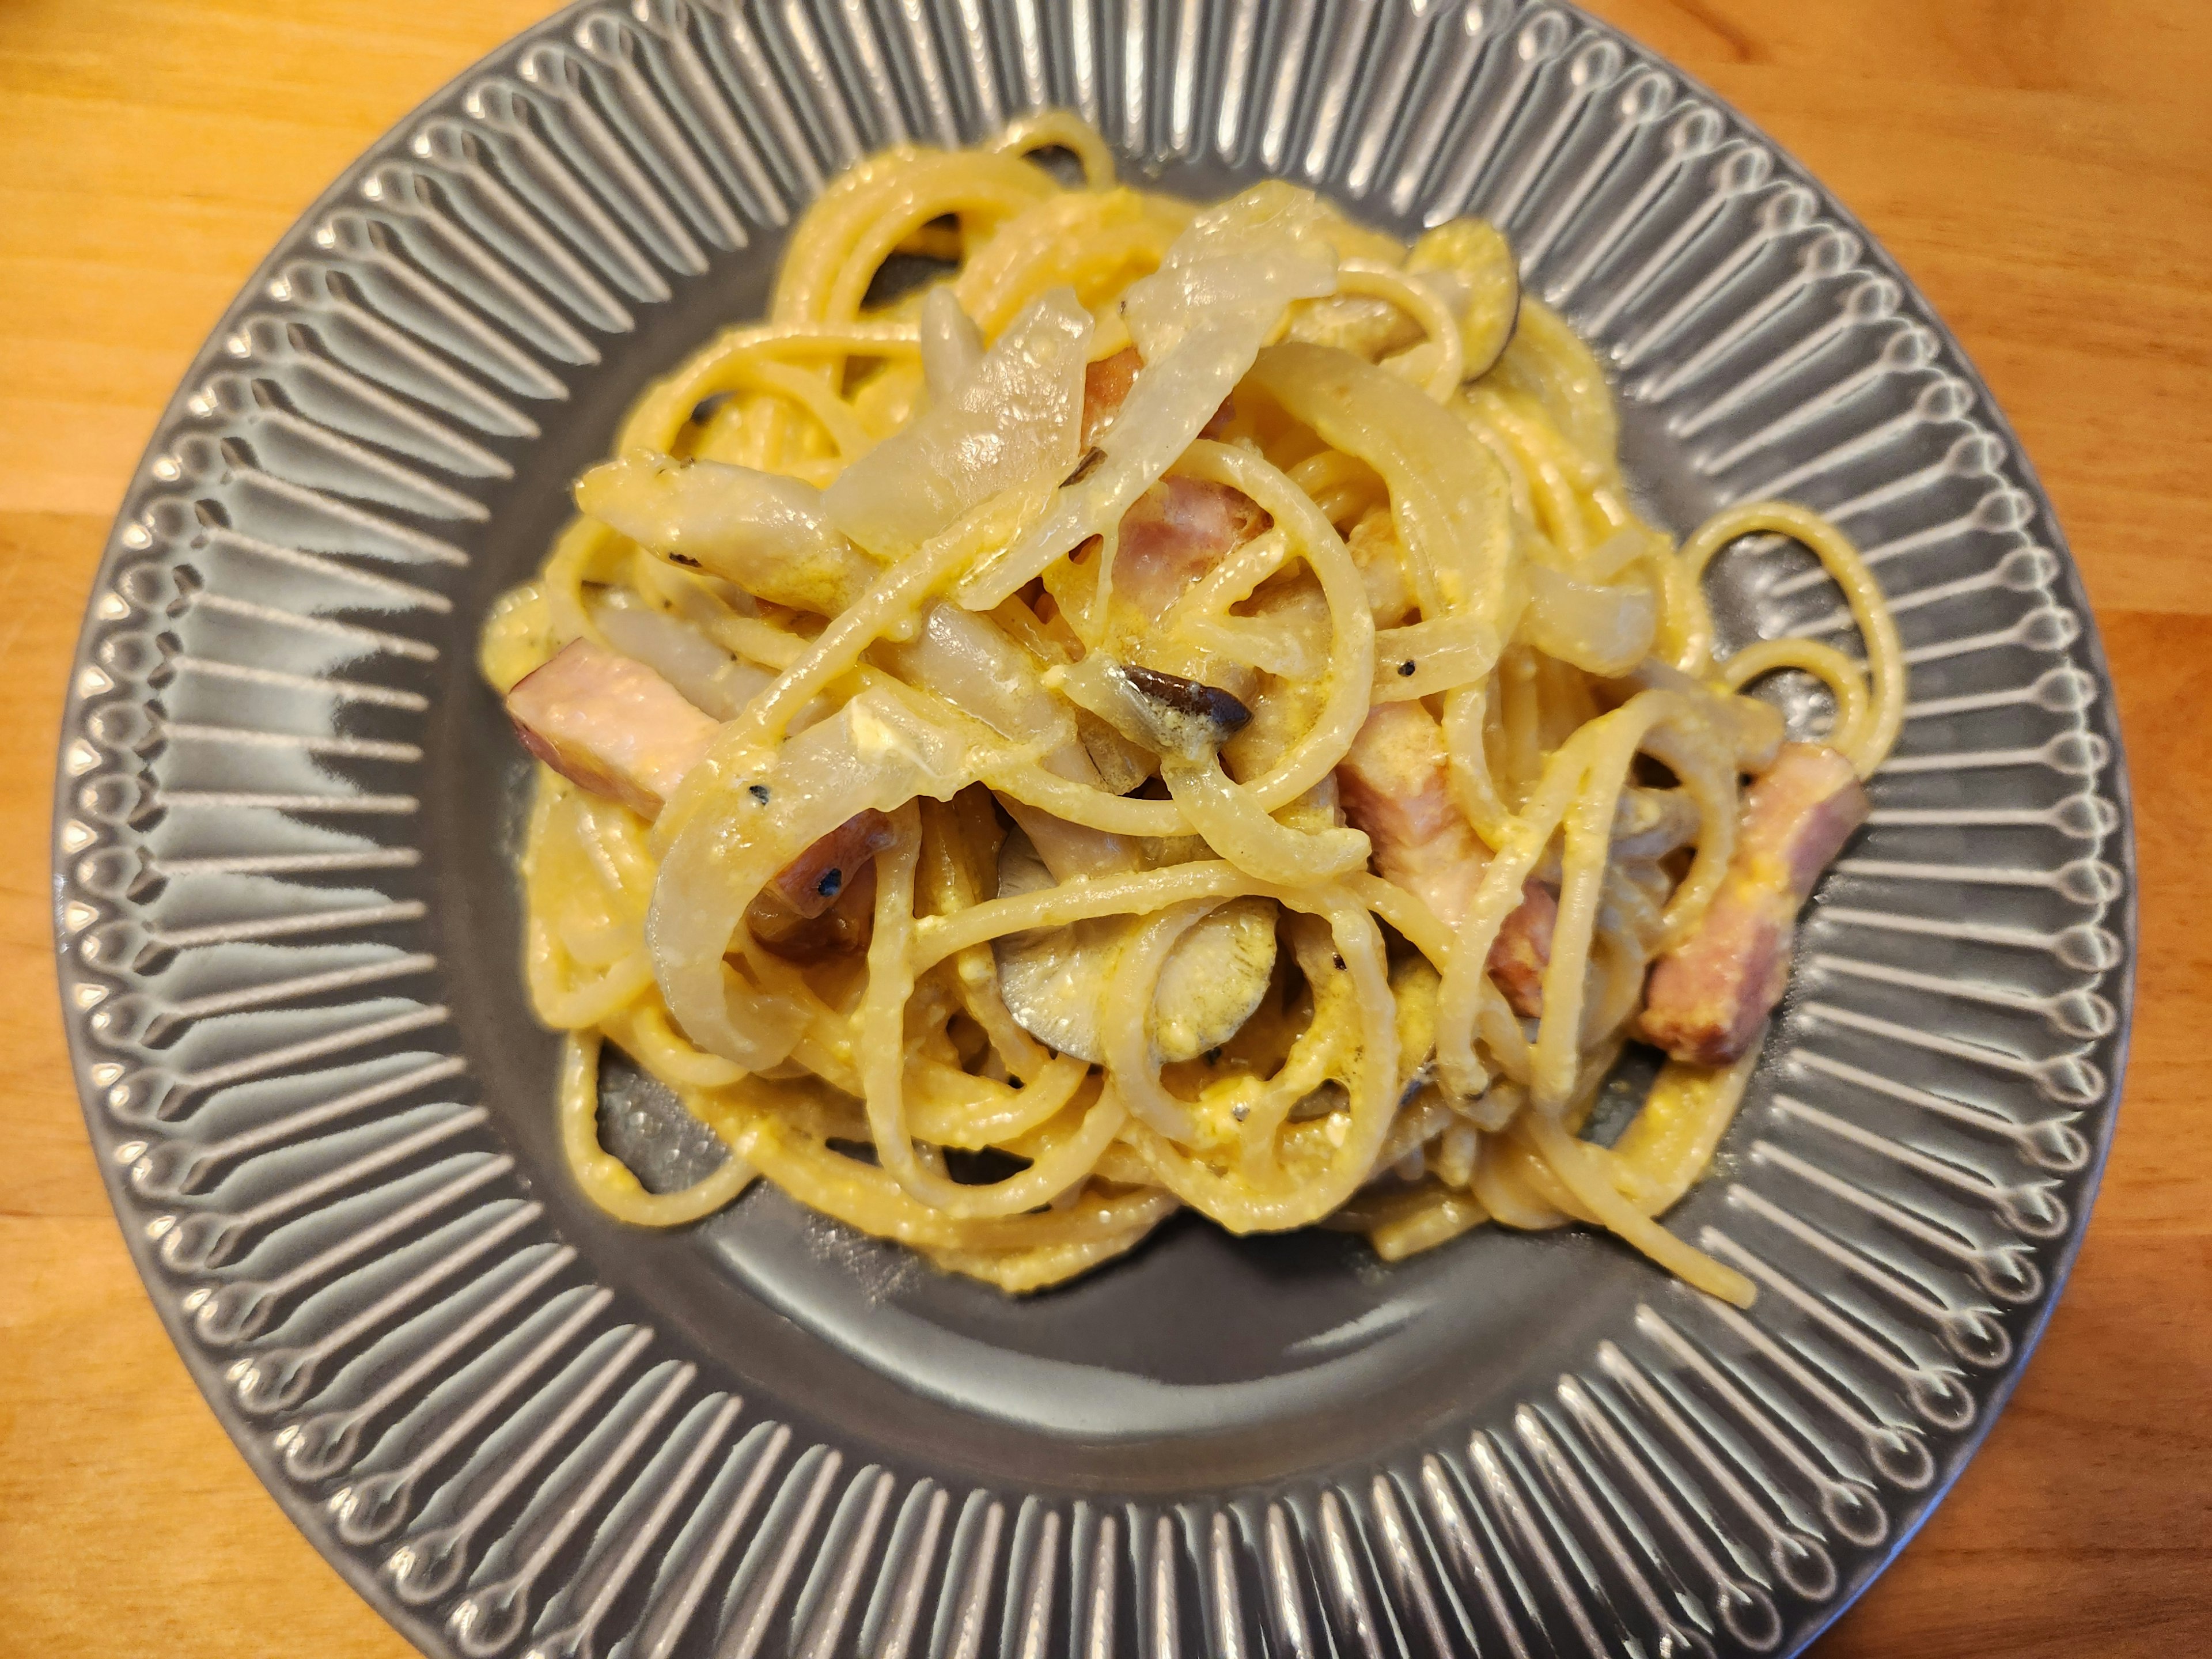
x,y
1164,712
1191,718
1051,978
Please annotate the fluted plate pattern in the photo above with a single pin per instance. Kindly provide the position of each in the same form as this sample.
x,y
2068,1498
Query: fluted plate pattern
x,y
288,936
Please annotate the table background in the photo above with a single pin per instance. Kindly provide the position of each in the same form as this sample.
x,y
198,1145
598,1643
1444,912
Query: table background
x,y
2043,168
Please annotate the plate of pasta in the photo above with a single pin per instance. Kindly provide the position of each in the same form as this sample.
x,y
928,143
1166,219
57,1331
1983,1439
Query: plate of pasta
x,y
887,828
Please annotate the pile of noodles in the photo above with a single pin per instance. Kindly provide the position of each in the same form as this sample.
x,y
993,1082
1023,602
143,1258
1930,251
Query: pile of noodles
x,y
1384,1082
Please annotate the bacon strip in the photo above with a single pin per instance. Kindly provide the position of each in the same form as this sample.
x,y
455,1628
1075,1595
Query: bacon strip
x,y
1708,997
810,882
609,725
612,726
843,929
1178,529
1523,949
1393,785
1173,534
1107,382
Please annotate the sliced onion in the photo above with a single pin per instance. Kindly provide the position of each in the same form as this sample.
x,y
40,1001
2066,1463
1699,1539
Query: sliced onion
x,y
1011,422
965,659
1199,321
710,678
1237,827
1254,253
1601,630
766,533
738,819
1447,494
1440,654
951,345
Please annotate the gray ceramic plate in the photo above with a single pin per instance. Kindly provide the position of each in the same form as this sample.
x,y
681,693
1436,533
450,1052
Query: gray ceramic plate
x,y
288,933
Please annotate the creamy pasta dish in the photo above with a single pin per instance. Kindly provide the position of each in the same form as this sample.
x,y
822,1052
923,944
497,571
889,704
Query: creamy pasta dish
x,y
1175,709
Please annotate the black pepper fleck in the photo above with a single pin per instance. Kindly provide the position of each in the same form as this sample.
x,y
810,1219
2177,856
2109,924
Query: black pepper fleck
x,y
1085,467
1340,963
1406,668
760,793
686,561
1012,1082
829,885
1213,1056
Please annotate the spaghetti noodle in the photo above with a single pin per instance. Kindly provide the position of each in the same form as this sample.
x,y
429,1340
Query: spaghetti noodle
x,y
1178,711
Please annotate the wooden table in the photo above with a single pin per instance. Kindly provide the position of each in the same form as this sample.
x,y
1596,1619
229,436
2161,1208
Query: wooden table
x,y
2043,168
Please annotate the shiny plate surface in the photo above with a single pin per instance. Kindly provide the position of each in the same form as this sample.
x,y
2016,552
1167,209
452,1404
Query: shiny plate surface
x,y
289,934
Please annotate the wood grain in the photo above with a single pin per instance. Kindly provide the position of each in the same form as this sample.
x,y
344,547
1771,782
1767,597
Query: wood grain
x,y
2042,167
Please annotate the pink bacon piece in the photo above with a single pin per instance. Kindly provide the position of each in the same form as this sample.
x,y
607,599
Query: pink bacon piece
x,y
611,726
1181,527
1173,534
1523,949
1393,785
810,882
1708,997
1107,382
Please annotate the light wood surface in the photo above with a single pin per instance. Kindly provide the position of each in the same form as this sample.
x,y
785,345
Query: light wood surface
x,y
2042,167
